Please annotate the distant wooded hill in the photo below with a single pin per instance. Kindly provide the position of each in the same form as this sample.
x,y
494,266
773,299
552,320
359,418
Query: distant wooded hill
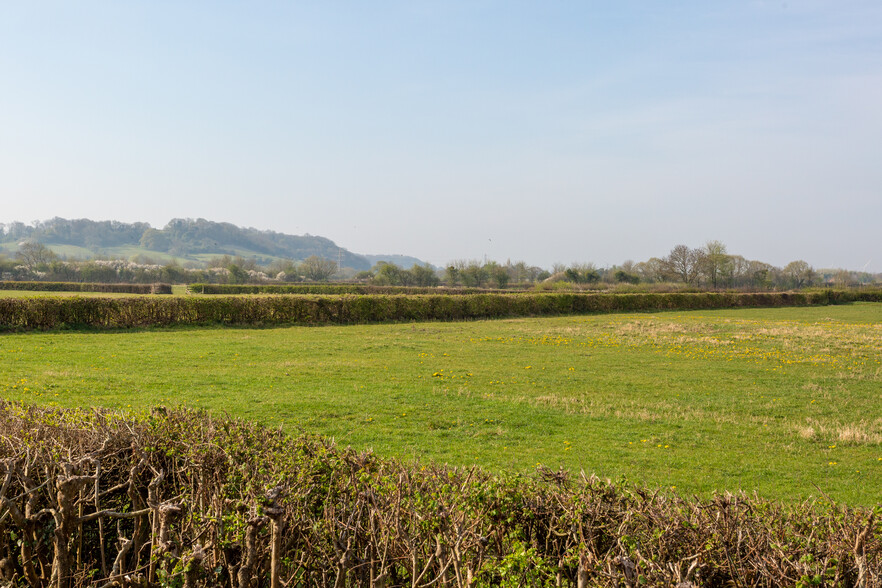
x,y
184,239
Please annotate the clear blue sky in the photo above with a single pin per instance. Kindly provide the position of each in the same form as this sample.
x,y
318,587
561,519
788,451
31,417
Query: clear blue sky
x,y
564,131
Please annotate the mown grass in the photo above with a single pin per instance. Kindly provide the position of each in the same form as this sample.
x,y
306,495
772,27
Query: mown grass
x,y
785,401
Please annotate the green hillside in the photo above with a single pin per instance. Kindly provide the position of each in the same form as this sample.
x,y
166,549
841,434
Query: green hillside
x,y
181,239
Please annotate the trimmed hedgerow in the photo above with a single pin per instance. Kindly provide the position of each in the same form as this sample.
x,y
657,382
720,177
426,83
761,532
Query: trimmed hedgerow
x,y
340,289
182,498
116,313
87,287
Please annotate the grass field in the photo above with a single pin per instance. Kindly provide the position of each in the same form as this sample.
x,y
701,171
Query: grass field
x,y
133,251
784,401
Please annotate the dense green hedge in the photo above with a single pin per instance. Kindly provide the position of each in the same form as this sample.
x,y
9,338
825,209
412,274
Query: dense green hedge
x,y
177,498
49,313
340,289
87,287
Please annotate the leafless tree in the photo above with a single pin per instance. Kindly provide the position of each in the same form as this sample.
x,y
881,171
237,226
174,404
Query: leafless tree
x,y
33,254
682,262
652,270
317,268
799,273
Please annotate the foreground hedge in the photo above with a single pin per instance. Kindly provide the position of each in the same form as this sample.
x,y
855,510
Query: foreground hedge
x,y
87,287
178,498
49,313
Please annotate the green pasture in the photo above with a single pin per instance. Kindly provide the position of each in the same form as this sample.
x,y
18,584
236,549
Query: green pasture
x,y
68,251
130,251
784,401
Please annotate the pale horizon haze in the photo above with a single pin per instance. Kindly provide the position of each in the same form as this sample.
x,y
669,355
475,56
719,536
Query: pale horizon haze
x,y
546,132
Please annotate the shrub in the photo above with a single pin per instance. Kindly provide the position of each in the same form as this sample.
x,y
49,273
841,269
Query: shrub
x,y
339,289
87,287
116,313
182,498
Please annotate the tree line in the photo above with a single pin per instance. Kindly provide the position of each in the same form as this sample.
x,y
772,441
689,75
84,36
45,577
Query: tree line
x,y
710,266
34,261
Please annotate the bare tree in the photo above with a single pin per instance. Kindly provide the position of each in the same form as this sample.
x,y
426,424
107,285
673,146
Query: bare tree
x,y
799,273
33,254
682,262
317,268
843,278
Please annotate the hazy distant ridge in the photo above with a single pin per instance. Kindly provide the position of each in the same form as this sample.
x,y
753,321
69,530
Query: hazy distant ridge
x,y
404,261
189,238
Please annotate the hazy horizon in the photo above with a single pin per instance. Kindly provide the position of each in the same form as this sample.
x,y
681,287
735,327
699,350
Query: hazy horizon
x,y
392,254
565,132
